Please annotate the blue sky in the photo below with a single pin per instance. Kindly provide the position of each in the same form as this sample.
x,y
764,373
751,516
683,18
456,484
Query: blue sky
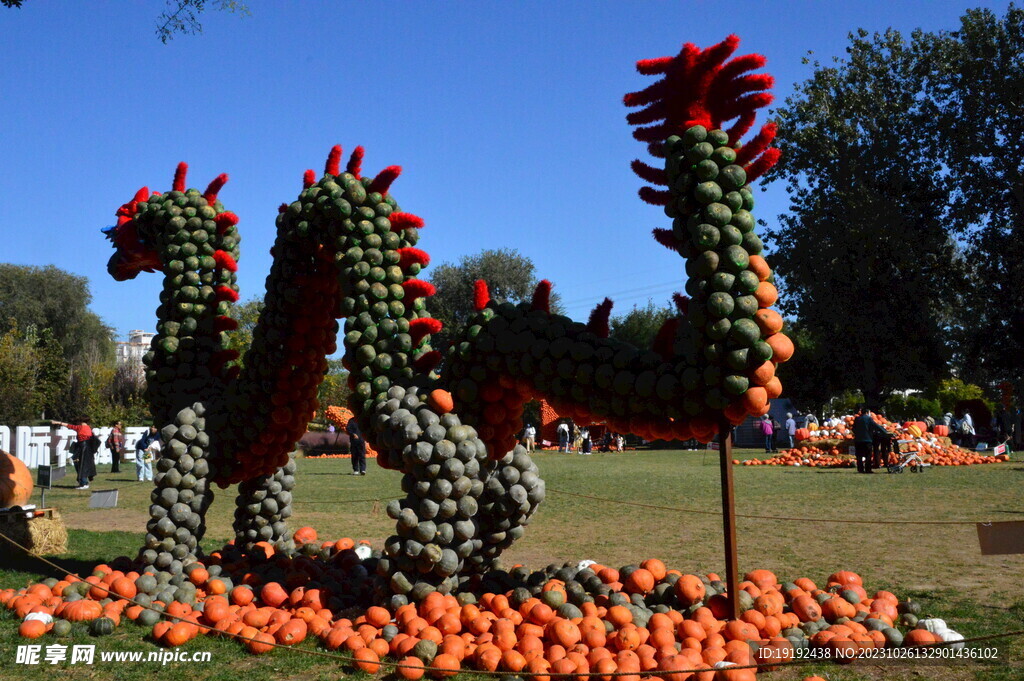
x,y
506,117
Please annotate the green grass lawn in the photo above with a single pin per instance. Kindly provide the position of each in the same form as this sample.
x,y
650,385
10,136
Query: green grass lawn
x,y
939,565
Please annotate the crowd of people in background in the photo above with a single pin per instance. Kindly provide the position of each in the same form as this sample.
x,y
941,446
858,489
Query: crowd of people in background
x,y
573,439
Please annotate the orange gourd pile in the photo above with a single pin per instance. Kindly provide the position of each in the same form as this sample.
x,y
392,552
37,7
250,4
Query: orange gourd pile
x,y
340,417
535,634
832,450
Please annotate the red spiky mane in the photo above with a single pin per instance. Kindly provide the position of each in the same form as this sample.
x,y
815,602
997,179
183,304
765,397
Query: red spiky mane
x,y
702,87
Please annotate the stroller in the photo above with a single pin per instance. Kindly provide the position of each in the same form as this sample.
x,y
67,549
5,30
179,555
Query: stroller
x,y
905,457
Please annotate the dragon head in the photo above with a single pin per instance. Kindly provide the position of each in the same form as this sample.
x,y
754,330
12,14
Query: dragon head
x,y
133,253
149,222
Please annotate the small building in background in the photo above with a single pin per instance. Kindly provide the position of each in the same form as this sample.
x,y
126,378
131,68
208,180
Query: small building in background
x,y
130,352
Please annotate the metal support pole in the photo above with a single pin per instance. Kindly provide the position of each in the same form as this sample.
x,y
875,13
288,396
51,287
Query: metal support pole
x,y
729,518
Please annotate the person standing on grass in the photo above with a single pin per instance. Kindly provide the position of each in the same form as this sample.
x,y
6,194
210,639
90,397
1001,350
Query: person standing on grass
x,y
586,444
881,444
144,468
529,434
563,437
115,443
356,447
863,426
577,439
83,456
791,430
768,430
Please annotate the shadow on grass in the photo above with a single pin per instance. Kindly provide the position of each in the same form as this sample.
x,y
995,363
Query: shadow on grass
x,y
17,561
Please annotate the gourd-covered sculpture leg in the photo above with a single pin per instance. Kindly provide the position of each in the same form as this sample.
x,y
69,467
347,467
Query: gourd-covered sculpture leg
x,y
183,493
457,515
262,509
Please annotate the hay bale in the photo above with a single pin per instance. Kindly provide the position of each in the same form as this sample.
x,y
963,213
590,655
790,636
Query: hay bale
x,y
42,536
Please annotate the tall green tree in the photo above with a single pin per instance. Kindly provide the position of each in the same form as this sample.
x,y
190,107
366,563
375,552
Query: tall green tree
x,y
51,298
511,277
23,400
640,325
247,315
864,252
976,83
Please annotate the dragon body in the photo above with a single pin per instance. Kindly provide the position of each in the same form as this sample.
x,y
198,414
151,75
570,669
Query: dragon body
x,y
345,250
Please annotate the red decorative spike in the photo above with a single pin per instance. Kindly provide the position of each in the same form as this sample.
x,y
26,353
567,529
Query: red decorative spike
x,y
656,197
702,87
384,178
682,303
224,323
401,221
226,293
597,324
542,296
741,127
749,151
211,191
649,173
355,162
408,256
481,296
666,238
763,164
225,261
333,165
666,338
652,67
426,362
225,220
417,288
180,173
308,179
142,194
418,328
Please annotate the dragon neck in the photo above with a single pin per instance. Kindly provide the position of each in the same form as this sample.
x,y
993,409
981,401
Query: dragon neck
x,y
197,244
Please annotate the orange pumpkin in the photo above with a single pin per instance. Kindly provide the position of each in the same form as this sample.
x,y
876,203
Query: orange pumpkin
x,y
15,481
31,629
441,402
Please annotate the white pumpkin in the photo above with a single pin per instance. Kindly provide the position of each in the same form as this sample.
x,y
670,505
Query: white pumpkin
x,y
950,635
364,551
933,625
43,617
584,564
724,665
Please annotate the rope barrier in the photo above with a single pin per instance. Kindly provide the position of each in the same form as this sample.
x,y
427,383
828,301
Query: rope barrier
x,y
849,521
495,673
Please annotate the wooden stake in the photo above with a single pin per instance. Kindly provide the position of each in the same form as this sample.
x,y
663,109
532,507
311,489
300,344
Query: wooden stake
x,y
729,518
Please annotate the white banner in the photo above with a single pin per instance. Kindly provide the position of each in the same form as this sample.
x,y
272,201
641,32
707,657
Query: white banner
x,y
37,445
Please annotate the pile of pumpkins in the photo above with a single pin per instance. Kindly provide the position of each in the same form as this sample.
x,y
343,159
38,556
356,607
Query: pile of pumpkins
x,y
564,619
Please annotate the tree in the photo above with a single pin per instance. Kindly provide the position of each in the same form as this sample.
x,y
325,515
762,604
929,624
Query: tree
x,y
510,277
50,298
247,315
864,253
977,85
640,325
334,390
182,16
812,377
19,366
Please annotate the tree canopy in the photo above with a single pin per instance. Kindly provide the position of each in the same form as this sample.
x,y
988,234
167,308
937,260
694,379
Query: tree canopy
x,y
864,252
510,276
640,325
51,298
